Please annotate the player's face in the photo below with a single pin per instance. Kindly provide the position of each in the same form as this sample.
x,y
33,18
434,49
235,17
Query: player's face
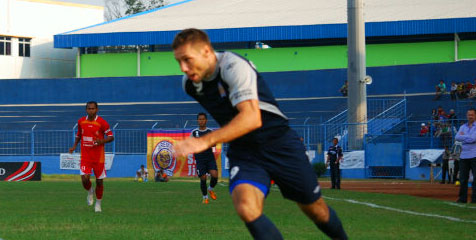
x,y
202,121
92,110
194,60
334,141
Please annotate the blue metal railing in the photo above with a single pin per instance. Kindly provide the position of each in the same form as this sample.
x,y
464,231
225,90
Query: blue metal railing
x,y
387,119
384,114
127,141
317,137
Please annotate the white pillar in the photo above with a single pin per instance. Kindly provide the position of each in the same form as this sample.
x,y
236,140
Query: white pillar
x,y
78,63
456,46
357,94
138,61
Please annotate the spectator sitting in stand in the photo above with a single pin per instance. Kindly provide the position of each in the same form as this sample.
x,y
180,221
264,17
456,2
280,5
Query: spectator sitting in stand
x,y
434,114
442,116
344,89
439,111
453,92
435,129
440,90
460,89
424,130
445,135
452,117
472,92
467,88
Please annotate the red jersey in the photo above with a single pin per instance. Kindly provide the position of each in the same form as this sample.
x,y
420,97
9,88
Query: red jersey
x,y
88,132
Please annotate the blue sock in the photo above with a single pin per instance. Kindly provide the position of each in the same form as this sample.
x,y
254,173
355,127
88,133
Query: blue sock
x,y
333,228
262,229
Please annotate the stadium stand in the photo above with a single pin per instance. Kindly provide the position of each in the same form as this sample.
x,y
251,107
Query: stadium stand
x,y
38,118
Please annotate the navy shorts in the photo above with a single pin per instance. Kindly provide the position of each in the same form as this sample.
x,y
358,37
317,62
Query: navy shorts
x,y
283,160
205,165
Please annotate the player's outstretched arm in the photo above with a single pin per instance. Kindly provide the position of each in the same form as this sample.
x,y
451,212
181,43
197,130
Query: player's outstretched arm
x,y
247,120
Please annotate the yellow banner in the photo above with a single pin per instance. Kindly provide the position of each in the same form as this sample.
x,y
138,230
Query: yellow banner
x,y
160,154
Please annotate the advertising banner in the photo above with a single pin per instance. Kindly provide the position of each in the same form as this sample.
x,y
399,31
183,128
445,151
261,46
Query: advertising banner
x,y
72,161
20,171
351,160
431,155
160,154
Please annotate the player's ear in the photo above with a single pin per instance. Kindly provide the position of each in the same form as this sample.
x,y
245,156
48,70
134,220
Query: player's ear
x,y
207,50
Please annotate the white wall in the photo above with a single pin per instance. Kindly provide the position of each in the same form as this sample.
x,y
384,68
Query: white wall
x,y
40,20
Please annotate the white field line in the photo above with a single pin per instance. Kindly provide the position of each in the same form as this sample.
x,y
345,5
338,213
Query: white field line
x,y
460,205
372,205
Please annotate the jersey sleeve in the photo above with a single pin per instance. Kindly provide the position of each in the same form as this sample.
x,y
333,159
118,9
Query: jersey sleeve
x,y
241,78
105,127
78,133
339,152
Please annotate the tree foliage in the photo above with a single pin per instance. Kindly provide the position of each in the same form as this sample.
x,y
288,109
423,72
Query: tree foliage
x,y
119,8
137,6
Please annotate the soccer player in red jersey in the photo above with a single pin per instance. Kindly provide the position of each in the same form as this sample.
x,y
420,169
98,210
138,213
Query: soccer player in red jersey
x,y
91,131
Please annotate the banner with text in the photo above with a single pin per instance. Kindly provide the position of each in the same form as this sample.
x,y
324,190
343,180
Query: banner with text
x,y
351,160
416,156
20,171
72,161
160,154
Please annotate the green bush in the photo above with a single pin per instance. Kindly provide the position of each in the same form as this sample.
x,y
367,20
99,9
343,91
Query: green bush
x,y
319,168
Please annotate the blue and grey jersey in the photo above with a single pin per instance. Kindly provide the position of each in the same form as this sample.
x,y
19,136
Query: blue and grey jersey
x,y
333,152
236,80
207,154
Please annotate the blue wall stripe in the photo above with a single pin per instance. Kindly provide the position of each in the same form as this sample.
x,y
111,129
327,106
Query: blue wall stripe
x,y
318,83
396,28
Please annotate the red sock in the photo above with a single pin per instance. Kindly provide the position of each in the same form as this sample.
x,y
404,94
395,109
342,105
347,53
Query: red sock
x,y
87,185
99,191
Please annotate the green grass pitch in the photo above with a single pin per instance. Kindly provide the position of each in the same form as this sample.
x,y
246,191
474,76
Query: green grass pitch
x,y
56,209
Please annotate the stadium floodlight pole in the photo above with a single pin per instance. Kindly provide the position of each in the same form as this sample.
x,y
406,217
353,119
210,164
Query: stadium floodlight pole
x,y
357,94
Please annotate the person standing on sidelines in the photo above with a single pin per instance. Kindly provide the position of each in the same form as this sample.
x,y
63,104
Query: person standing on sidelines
x,y
262,146
445,166
467,135
206,162
456,157
91,131
334,157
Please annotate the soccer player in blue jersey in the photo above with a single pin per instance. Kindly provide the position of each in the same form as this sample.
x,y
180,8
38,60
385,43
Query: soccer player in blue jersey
x,y
205,160
262,146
